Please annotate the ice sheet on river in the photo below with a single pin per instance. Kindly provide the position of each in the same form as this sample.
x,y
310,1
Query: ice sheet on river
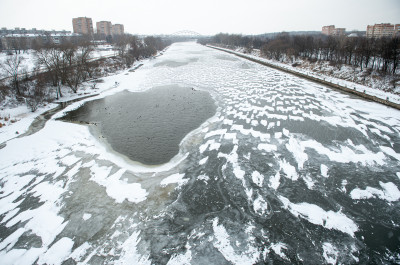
x,y
286,171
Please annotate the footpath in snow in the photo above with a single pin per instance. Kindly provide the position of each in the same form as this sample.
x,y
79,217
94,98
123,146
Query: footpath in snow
x,y
376,95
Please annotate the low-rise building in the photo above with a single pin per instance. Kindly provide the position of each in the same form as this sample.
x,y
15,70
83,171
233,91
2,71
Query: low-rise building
x,y
21,41
5,31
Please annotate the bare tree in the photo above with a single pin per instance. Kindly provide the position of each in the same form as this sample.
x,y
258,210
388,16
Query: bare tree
x,y
37,92
37,43
84,55
79,68
4,90
394,46
135,47
11,66
122,45
76,64
67,53
51,58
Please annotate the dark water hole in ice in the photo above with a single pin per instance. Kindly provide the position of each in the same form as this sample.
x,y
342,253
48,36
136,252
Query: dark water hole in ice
x,y
147,126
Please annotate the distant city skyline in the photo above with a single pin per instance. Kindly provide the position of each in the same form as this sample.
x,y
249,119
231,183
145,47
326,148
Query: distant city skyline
x,y
205,17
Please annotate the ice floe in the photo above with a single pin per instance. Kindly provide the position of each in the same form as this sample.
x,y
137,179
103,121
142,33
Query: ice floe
x,y
58,252
115,187
278,249
274,181
174,179
389,192
297,151
324,171
288,170
257,178
330,253
318,216
249,255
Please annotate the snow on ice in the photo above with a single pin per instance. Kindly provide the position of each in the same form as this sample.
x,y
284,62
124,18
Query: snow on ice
x,y
316,215
389,192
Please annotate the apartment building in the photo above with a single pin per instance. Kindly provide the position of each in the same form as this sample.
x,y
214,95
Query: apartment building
x,y
117,29
332,31
104,28
339,32
397,28
82,25
382,30
328,30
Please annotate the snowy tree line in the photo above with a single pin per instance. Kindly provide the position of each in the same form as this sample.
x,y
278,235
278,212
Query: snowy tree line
x,y
381,54
68,64
132,48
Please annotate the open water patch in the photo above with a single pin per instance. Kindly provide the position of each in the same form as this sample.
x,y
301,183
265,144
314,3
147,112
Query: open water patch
x,y
147,126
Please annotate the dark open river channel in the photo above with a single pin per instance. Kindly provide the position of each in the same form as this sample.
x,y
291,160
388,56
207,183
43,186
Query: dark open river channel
x,y
147,126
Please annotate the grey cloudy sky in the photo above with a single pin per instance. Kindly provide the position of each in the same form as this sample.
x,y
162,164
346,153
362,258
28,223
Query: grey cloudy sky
x,y
203,16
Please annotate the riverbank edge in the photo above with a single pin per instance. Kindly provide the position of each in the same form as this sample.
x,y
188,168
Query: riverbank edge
x,y
39,121
312,78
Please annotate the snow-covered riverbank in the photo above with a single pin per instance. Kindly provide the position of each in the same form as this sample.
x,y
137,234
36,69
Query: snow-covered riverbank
x,y
376,89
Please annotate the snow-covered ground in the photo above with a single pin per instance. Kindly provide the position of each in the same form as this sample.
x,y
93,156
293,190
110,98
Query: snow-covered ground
x,y
103,51
286,171
346,76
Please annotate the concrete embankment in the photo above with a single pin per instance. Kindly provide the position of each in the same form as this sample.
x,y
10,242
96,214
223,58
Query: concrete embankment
x,y
312,78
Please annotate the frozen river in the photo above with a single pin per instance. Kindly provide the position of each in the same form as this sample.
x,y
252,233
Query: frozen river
x,y
286,171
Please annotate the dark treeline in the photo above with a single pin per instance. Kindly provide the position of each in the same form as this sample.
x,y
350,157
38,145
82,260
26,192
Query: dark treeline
x,y
132,48
69,64
381,54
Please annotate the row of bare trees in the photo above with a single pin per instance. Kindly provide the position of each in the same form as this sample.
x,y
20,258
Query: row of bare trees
x,y
68,64
382,54
18,44
131,48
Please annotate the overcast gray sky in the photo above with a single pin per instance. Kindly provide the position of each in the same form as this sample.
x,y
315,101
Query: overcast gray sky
x,y
202,16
